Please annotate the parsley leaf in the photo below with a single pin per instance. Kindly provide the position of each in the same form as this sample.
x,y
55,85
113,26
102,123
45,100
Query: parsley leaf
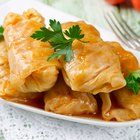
x,y
55,25
55,36
133,81
1,32
67,51
74,32
44,34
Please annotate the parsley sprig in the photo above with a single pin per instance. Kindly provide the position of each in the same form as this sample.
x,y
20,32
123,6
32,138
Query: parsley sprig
x,y
1,32
59,43
133,81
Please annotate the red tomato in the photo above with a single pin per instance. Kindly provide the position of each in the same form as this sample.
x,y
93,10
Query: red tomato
x,y
136,4
115,2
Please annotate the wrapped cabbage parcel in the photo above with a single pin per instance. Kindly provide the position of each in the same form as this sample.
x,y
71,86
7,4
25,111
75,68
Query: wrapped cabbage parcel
x,y
95,67
113,110
127,108
128,61
4,71
29,69
61,99
122,104
128,100
6,89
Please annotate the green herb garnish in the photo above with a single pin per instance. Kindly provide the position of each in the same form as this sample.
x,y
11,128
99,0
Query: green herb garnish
x,y
1,32
55,36
133,81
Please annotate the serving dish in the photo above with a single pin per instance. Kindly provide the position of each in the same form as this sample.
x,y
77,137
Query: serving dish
x,y
48,12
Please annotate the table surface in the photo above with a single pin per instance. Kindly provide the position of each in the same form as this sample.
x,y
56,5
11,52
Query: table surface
x,y
17,124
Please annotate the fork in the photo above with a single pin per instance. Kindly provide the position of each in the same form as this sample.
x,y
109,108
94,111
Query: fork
x,y
122,30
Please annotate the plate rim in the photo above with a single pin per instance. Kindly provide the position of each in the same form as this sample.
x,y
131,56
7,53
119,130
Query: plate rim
x,y
76,119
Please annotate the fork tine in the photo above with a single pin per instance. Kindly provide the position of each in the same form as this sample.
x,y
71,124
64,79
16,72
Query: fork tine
x,y
132,32
136,41
117,31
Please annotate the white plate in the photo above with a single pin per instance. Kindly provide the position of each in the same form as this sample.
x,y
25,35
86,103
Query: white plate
x,y
49,13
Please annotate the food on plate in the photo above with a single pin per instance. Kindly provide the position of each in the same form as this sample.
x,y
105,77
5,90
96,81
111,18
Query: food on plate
x,y
128,61
67,69
112,110
127,108
5,71
6,89
91,69
29,70
61,99
128,100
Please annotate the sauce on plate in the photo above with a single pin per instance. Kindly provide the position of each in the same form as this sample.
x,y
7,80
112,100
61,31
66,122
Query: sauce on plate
x,y
39,103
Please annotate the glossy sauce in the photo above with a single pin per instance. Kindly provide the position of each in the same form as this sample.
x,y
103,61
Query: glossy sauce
x,y
39,103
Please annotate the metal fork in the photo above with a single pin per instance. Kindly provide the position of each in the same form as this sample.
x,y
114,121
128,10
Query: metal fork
x,y
122,30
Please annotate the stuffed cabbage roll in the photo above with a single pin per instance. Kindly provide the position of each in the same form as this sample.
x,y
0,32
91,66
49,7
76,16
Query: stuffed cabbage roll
x,y
121,105
95,67
29,69
127,99
61,99
6,89
128,61
113,110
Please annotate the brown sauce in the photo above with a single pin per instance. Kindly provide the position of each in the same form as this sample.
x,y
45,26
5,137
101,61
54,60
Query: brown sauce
x,y
39,103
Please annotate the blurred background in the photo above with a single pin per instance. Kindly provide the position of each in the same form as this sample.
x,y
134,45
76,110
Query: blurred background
x,y
92,10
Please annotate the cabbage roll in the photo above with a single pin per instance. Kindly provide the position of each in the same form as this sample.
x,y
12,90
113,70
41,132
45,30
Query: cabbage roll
x,y
127,99
61,99
6,89
113,110
29,69
122,104
95,67
128,61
